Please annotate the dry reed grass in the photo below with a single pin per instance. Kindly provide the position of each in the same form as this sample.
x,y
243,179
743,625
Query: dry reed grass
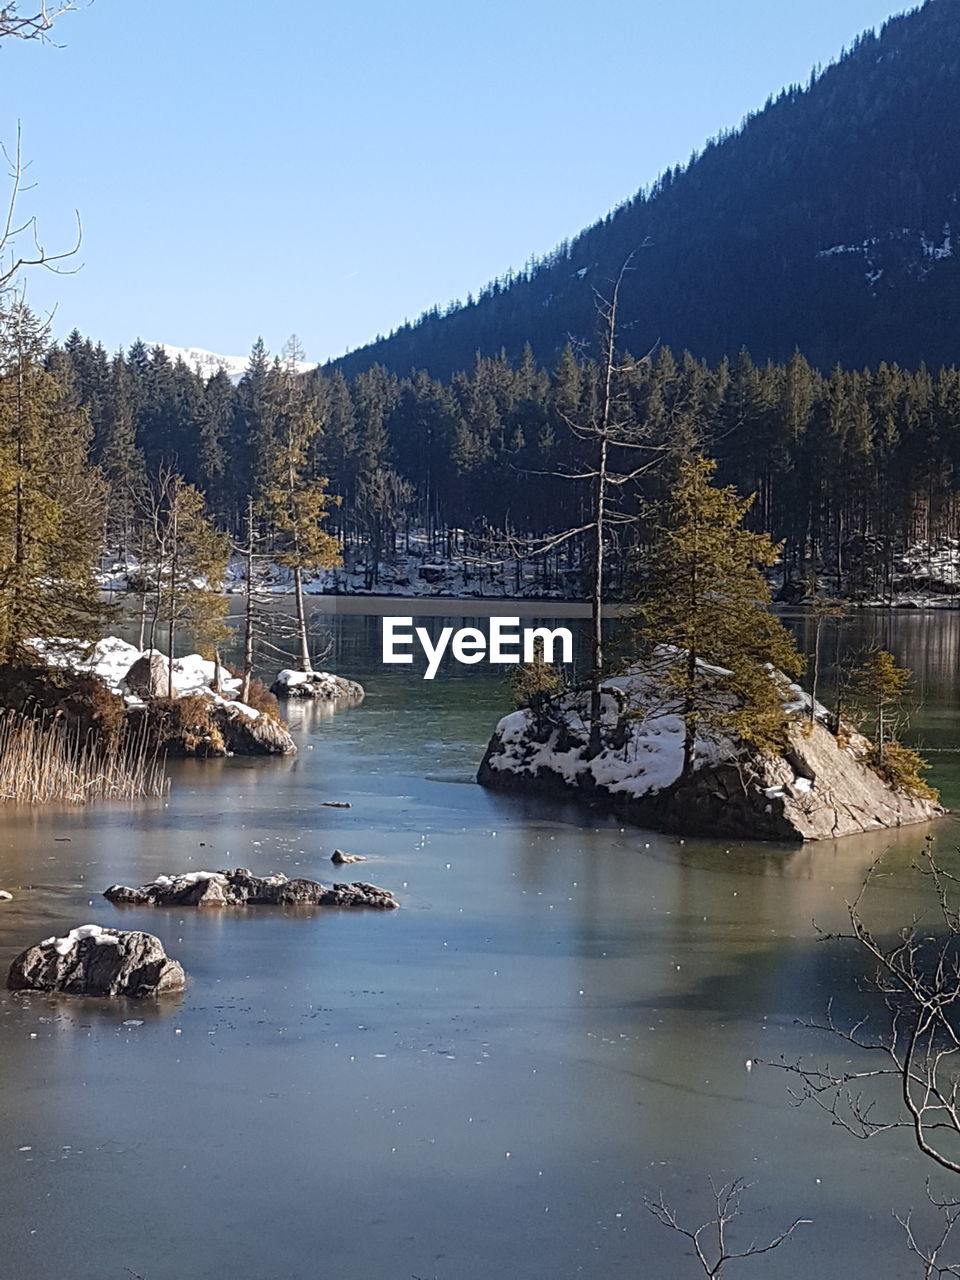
x,y
43,759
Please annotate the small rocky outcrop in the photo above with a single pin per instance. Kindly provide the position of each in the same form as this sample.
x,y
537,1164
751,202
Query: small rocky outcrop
x,y
819,787
244,735
240,887
91,961
320,685
341,859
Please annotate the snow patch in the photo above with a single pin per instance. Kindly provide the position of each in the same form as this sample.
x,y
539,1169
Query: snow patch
x,y
208,363
63,946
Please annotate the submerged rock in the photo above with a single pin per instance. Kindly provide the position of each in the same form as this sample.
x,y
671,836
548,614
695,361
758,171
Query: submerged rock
x,y
91,961
321,685
340,859
241,887
819,787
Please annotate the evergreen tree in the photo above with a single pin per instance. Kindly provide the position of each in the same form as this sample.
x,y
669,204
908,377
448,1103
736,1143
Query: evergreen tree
x,y
880,685
703,601
294,500
51,500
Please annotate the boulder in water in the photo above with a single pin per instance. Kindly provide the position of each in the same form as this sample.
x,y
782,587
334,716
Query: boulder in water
x,y
241,887
321,685
340,859
92,961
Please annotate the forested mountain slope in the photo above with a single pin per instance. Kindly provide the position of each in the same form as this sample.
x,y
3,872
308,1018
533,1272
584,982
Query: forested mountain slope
x,y
825,224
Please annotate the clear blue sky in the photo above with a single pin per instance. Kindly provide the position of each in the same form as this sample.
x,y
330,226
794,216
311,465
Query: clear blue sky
x,y
331,169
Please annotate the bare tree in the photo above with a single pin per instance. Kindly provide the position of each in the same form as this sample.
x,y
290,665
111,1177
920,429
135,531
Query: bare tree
x,y
711,1242
901,1067
930,1255
13,258
35,25
916,1043
619,450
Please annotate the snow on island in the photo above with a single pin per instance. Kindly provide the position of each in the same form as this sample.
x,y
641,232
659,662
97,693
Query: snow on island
x,y
818,787
141,676
321,685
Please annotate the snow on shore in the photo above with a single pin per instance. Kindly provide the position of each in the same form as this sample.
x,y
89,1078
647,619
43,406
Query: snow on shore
x,y
111,660
924,576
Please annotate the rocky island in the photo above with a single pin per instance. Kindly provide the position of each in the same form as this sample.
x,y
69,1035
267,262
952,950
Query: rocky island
x,y
819,786
241,888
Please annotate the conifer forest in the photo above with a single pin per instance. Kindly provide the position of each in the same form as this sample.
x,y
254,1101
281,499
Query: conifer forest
x,y
850,467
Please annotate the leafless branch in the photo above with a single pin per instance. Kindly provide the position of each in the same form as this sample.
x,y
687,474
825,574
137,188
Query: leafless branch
x,y
31,26
710,1240
917,1039
12,261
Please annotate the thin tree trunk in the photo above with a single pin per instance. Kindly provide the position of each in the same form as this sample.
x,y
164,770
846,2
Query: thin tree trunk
x,y
305,664
596,607
173,596
689,718
816,669
248,621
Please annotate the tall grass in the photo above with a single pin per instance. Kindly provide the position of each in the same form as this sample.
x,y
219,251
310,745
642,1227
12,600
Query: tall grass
x,y
42,760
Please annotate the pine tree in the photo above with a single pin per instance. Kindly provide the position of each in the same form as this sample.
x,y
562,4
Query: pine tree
x,y
122,462
879,686
703,601
51,500
294,500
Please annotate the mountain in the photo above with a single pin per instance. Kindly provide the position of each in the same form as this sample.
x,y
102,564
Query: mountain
x,y
825,223
207,363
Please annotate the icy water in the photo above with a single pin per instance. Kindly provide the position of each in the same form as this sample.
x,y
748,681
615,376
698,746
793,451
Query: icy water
x,y
486,1082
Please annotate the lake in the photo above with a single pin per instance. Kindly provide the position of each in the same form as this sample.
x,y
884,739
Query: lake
x,y
490,1080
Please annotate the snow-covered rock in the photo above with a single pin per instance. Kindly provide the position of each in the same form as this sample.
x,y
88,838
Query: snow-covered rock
x,y
240,887
93,961
819,787
232,727
321,685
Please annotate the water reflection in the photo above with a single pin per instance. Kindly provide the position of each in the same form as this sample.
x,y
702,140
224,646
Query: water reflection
x,y
555,1023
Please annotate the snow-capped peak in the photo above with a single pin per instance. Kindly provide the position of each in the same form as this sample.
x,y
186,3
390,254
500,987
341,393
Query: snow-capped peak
x,y
207,363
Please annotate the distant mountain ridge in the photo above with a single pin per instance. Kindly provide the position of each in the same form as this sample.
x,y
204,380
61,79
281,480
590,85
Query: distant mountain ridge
x,y
207,363
826,223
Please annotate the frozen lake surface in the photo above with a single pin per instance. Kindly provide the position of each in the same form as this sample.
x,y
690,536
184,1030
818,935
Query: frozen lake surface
x,y
488,1081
